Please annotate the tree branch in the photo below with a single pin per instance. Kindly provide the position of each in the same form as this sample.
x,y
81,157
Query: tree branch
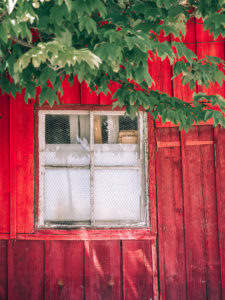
x,y
21,42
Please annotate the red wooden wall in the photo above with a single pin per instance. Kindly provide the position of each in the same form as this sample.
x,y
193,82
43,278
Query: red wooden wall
x,y
181,257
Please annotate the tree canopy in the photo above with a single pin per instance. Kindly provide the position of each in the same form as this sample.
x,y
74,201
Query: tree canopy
x,y
104,41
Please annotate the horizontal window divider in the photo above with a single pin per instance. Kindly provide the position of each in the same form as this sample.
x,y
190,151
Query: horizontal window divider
x,y
95,167
66,167
116,167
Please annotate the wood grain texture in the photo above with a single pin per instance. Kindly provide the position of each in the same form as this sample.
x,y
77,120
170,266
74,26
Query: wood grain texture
x,y
152,175
3,270
137,270
4,163
25,270
171,253
71,93
64,270
102,270
87,96
201,232
212,49
22,165
90,234
161,72
184,92
220,191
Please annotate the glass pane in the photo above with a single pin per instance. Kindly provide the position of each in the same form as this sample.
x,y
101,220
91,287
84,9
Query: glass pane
x,y
57,129
116,140
67,139
67,129
111,129
67,195
116,155
67,154
117,195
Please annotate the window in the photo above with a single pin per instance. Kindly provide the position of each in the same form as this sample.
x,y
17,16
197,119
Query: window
x,y
92,169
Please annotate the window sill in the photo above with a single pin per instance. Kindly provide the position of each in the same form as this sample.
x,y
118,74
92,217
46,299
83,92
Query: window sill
x,y
91,234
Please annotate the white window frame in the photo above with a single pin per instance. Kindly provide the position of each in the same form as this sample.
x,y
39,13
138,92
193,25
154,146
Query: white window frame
x,y
142,167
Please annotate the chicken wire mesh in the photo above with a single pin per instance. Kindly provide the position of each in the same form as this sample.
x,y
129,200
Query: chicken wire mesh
x,y
92,170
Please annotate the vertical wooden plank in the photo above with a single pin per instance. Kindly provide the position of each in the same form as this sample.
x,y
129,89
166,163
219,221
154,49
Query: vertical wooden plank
x,y
170,217
21,165
157,68
137,270
87,96
64,270
3,270
4,163
180,91
161,71
201,232
220,191
152,174
213,276
107,99
102,270
213,49
155,270
26,270
71,93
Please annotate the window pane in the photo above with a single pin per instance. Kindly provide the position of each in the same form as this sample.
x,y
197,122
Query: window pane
x,y
112,129
57,129
67,195
67,154
67,129
116,140
117,195
67,139
116,154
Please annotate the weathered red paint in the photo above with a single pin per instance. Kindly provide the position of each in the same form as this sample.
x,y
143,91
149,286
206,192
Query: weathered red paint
x,y
219,136
187,210
88,96
152,176
170,216
200,217
25,270
137,270
4,165
107,99
180,91
71,93
3,268
64,270
102,270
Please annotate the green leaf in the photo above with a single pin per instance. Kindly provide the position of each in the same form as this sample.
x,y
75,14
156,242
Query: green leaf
x,y
182,50
47,74
3,34
47,94
89,24
65,38
68,4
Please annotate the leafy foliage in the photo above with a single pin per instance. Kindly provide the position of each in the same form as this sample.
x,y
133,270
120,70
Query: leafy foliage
x,y
109,40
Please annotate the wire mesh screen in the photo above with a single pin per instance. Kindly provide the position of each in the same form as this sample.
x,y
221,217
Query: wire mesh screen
x,y
117,195
92,169
67,129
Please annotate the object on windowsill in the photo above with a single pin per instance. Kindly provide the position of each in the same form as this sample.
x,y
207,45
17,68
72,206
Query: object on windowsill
x,y
97,130
128,137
